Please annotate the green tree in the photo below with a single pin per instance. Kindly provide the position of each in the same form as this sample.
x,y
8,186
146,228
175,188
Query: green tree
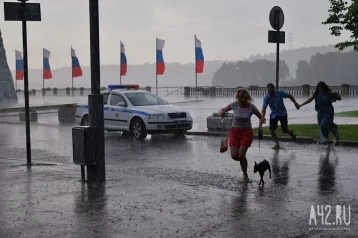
x,y
343,15
303,72
245,73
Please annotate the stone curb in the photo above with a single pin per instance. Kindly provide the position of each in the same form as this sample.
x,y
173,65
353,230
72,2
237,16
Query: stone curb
x,y
303,140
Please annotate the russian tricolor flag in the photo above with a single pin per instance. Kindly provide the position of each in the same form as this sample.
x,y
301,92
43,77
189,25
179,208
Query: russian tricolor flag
x,y
76,67
123,60
160,60
47,74
19,65
199,56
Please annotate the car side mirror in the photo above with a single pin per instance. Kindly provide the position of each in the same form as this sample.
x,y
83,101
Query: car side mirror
x,y
121,104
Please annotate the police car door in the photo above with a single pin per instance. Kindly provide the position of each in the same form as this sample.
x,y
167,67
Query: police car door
x,y
117,116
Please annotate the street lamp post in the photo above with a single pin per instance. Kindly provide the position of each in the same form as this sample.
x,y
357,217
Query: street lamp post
x,y
95,99
26,82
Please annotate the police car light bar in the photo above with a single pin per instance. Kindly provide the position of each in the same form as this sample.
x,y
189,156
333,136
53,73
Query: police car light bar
x,y
126,86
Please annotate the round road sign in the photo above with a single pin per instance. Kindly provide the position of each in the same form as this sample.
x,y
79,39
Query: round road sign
x,y
277,18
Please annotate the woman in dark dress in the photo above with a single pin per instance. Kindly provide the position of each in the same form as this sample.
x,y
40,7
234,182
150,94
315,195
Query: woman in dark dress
x,y
324,98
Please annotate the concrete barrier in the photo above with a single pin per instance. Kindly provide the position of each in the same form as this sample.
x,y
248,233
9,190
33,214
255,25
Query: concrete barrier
x,y
38,108
66,115
215,123
32,116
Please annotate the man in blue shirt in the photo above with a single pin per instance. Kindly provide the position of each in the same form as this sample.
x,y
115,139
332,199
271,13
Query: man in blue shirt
x,y
274,99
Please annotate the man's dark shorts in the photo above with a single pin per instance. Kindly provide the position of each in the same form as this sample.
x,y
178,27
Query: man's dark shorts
x,y
274,122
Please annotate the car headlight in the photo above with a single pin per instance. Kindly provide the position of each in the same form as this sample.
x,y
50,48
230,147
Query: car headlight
x,y
158,117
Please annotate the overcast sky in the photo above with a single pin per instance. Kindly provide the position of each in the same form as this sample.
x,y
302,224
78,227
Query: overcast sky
x,y
228,29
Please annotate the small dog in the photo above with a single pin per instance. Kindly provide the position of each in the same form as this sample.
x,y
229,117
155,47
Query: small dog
x,y
262,167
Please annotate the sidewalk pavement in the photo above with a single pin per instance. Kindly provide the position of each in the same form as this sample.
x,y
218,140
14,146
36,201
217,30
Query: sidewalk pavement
x,y
49,200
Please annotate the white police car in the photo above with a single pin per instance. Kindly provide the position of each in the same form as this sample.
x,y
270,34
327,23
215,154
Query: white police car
x,y
137,112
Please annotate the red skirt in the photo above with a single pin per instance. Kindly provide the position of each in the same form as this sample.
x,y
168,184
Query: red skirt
x,y
240,137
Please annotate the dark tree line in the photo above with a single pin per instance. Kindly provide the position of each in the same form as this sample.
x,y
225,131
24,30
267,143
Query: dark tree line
x,y
245,73
335,68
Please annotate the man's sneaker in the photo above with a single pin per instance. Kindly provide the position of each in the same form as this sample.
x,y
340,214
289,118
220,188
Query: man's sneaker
x,y
276,147
334,142
293,136
324,143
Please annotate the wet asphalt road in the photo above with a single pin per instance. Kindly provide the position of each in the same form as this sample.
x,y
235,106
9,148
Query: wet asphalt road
x,y
170,187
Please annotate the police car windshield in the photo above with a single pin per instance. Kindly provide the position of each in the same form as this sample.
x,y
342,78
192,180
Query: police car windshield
x,y
144,99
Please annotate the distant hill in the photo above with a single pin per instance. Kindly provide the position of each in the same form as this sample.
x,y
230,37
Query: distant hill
x,y
176,74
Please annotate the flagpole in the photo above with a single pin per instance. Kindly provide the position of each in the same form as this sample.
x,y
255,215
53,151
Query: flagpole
x,y
196,74
156,66
15,75
196,84
43,70
120,64
72,72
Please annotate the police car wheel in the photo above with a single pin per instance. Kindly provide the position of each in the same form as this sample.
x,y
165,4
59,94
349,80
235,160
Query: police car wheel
x,y
138,129
84,121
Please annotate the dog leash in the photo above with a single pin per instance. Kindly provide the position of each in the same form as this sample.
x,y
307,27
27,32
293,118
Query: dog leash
x,y
259,150
259,136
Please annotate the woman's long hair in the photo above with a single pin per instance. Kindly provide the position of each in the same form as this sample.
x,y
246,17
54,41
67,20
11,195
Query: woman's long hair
x,y
247,96
323,86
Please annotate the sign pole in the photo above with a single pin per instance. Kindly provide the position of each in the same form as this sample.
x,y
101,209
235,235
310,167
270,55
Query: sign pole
x,y
277,63
277,20
24,12
26,82
277,49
